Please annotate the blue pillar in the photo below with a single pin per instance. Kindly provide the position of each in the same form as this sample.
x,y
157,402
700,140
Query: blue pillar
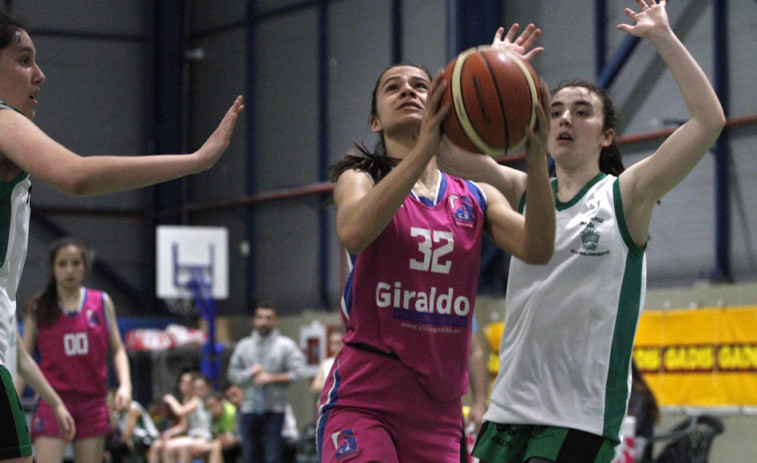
x,y
323,149
250,165
721,148
169,48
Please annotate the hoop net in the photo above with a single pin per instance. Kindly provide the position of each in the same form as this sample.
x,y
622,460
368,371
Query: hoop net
x,y
182,307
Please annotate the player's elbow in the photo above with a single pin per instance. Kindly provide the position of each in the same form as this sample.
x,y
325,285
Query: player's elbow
x,y
76,185
712,123
717,124
539,255
353,241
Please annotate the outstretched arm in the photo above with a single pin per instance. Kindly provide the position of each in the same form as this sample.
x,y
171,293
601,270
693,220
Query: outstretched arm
x,y
33,151
644,183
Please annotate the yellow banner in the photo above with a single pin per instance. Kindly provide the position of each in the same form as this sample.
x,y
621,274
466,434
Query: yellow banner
x,y
701,357
690,357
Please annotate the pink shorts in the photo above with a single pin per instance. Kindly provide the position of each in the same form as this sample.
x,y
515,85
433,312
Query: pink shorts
x,y
376,410
90,415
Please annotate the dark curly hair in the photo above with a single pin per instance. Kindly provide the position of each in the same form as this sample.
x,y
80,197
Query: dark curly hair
x,y
610,161
9,27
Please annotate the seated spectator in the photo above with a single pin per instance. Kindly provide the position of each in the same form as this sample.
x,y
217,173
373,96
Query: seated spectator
x,y
133,431
225,445
193,420
335,344
234,394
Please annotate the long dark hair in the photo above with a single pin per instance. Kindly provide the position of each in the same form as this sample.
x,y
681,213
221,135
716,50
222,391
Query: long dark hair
x,y
610,161
376,163
44,306
9,26
645,396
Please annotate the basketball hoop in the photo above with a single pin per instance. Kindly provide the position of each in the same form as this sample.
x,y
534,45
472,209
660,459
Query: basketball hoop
x,y
192,273
182,307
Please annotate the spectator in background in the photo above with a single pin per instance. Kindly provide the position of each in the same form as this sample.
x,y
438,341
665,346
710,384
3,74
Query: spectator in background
x,y
335,343
133,430
191,418
264,364
224,446
197,419
642,405
235,395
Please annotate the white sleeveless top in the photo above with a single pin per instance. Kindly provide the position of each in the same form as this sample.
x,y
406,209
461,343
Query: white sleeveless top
x,y
570,325
14,234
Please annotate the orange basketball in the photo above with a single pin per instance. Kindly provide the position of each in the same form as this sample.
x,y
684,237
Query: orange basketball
x,y
492,93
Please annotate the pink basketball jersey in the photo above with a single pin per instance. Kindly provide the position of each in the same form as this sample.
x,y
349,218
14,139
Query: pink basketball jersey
x,y
412,290
74,349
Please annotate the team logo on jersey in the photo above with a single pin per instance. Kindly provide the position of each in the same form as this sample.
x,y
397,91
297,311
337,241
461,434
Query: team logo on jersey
x,y
92,317
462,208
38,424
345,443
590,237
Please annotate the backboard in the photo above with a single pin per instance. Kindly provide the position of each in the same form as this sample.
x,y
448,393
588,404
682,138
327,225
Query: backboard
x,y
186,253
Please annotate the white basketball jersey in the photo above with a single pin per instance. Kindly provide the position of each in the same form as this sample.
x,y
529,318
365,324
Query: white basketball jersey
x,y
570,325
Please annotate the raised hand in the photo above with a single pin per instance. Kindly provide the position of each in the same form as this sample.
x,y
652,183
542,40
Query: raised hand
x,y
522,45
433,114
219,140
651,19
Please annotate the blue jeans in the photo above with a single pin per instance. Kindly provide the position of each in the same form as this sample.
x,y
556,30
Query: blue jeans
x,y
261,437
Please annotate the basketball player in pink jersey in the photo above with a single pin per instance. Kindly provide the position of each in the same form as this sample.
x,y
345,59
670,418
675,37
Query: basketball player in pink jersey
x,y
413,235
74,329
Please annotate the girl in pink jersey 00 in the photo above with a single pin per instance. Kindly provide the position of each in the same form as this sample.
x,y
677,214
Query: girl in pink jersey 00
x,y
413,235
74,329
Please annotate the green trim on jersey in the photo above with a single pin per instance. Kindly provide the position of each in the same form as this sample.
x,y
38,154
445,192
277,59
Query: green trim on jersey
x,y
15,434
3,103
516,443
6,212
6,207
629,304
559,205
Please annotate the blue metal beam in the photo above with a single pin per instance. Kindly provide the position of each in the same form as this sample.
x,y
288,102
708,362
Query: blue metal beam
x,y
169,63
323,148
397,41
251,167
610,71
478,20
600,35
721,149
